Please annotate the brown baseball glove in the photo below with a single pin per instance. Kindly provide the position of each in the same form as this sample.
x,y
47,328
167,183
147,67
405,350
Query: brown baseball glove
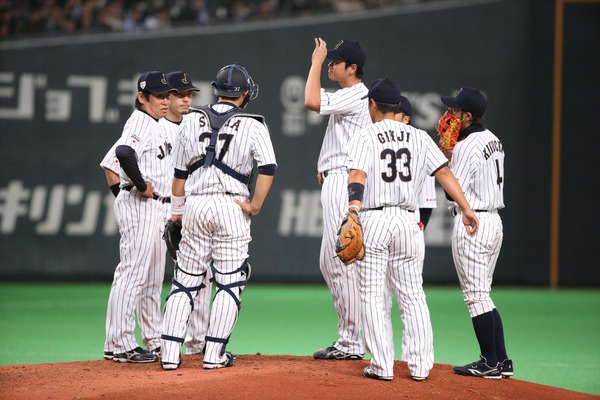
x,y
448,128
349,246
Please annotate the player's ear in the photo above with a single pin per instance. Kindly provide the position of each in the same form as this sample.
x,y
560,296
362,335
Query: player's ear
x,y
141,97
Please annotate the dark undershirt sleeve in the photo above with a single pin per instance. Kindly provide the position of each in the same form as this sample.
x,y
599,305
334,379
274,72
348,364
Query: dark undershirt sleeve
x,y
425,214
126,156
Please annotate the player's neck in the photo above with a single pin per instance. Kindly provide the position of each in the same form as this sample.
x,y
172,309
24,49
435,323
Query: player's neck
x,y
349,82
176,118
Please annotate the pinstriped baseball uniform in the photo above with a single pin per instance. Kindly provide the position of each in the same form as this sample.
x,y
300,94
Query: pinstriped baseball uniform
x,y
149,296
198,322
427,199
478,164
140,274
397,159
348,114
216,231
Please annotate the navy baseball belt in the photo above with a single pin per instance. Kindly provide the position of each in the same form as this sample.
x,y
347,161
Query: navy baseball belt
x,y
454,212
154,196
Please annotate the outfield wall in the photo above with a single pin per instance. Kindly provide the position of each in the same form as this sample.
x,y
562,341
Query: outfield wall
x,y
64,101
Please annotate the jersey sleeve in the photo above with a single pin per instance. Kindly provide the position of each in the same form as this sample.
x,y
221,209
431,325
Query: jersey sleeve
x,y
263,151
110,160
359,154
343,101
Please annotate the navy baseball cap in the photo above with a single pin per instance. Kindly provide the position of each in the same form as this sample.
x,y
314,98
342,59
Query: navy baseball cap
x,y
180,81
348,50
154,82
405,106
384,90
467,99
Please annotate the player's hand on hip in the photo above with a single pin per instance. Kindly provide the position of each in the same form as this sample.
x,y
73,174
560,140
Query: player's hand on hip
x,y
320,178
247,207
149,190
470,221
320,52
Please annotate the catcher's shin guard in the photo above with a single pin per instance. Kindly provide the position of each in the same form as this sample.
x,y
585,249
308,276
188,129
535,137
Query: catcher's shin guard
x,y
224,311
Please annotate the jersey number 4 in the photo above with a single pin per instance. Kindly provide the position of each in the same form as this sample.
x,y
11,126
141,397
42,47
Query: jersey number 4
x,y
398,165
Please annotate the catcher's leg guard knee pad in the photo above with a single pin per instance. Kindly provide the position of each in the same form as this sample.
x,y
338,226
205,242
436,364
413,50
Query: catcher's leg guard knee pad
x,y
236,279
187,290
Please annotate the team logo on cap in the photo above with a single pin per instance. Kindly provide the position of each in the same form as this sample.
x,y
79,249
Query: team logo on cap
x,y
185,79
339,43
164,79
143,85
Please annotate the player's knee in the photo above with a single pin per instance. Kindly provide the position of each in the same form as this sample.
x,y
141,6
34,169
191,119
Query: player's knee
x,y
233,283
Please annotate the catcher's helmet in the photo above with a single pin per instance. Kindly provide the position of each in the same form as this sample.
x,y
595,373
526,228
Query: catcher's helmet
x,y
232,81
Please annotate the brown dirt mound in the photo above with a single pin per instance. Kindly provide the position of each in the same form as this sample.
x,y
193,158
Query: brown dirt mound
x,y
256,377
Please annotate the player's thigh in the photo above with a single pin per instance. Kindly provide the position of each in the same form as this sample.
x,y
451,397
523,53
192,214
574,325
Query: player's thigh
x,y
230,238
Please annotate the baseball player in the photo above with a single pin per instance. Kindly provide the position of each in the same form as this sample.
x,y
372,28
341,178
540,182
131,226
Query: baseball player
x,y
427,201
181,101
388,163
348,114
216,151
477,160
140,209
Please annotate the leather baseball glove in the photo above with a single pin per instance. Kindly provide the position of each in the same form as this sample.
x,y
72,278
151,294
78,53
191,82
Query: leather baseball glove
x,y
448,128
172,237
349,246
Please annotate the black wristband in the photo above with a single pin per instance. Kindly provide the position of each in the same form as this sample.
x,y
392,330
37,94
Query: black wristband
x,y
356,191
115,189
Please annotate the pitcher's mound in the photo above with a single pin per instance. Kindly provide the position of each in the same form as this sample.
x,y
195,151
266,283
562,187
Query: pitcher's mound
x,y
256,377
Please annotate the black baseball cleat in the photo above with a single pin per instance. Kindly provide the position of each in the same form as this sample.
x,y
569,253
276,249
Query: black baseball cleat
x,y
108,355
506,368
368,373
227,363
480,369
331,353
137,355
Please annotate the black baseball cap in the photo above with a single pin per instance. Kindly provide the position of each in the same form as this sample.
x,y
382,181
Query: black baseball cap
x,y
384,90
180,81
154,82
405,106
348,50
467,99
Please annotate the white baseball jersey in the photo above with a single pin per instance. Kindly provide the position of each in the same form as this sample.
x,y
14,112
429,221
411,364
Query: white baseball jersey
x,y
216,231
151,144
239,152
348,114
397,159
478,163
427,198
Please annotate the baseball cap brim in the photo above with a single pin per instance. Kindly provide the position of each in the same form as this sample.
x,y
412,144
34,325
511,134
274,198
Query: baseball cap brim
x,y
450,102
334,55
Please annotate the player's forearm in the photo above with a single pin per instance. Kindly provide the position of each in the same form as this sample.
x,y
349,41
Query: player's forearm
x,y
450,184
126,156
312,90
262,188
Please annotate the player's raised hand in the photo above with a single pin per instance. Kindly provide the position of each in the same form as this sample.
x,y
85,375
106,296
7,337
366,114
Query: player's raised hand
x,y
470,221
320,52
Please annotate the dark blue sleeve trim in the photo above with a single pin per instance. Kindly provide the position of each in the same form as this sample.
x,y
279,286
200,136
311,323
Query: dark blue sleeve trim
x,y
268,169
